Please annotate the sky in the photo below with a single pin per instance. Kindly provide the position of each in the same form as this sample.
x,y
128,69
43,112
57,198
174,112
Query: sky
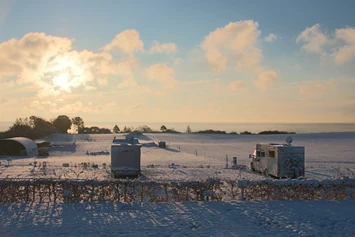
x,y
178,61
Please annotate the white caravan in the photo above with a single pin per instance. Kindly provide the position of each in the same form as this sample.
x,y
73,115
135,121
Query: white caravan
x,y
279,160
125,160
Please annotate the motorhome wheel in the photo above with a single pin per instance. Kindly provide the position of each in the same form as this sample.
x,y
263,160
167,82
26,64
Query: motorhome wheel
x,y
266,172
252,167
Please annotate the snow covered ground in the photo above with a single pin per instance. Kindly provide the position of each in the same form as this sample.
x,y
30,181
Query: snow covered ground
x,y
187,157
259,218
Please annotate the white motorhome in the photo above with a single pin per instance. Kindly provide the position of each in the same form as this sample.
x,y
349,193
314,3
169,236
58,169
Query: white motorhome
x,y
278,160
125,160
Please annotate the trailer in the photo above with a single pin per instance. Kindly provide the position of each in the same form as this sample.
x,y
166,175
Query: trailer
x,y
125,160
278,160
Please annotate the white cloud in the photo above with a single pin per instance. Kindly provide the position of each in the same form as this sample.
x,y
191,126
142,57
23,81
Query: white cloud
x,y
313,39
346,52
163,75
163,48
266,78
236,42
90,88
36,105
270,38
340,46
127,41
51,64
237,85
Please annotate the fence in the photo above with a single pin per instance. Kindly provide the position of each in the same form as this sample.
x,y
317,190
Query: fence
x,y
54,190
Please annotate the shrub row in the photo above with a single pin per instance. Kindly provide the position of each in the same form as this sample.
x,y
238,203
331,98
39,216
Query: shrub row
x,y
124,190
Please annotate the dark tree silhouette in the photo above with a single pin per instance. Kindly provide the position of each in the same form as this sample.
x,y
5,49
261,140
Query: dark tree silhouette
x,y
116,129
163,128
79,124
62,123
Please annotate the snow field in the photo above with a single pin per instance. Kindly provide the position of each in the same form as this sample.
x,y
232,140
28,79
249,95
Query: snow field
x,y
328,156
257,218
187,157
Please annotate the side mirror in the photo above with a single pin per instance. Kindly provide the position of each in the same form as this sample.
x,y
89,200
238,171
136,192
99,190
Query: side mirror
x,y
250,156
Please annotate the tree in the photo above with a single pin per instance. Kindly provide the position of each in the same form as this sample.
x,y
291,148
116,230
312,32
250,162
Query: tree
x,y
143,128
79,123
127,129
163,128
116,129
21,128
188,129
41,126
62,123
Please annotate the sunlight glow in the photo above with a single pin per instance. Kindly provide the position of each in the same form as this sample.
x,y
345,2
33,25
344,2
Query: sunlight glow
x,y
62,80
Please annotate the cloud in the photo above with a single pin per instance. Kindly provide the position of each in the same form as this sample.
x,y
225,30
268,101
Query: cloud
x,y
318,88
90,88
54,67
127,42
237,85
340,46
270,38
163,48
36,105
346,52
313,39
236,46
266,78
236,43
163,75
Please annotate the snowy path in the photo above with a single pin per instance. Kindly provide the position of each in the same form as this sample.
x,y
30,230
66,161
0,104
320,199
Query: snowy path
x,y
272,218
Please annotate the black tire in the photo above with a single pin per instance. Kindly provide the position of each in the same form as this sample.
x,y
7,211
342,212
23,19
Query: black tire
x,y
252,167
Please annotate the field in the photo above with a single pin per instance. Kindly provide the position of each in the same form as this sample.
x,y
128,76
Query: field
x,y
188,157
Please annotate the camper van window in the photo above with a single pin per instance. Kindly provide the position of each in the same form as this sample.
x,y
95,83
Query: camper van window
x,y
272,154
262,154
257,153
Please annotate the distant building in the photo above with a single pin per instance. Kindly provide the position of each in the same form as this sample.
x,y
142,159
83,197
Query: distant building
x,y
18,146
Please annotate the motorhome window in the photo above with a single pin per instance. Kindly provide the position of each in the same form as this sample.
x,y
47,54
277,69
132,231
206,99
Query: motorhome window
x,y
257,153
272,154
262,154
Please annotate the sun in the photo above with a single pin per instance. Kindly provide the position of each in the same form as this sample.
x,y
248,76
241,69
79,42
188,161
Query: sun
x,y
64,73
62,81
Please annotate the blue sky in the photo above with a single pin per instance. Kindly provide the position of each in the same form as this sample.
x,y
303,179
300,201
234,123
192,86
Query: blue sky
x,y
295,56
168,20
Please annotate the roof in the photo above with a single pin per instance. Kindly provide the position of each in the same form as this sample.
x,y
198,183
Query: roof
x,y
30,145
258,145
125,145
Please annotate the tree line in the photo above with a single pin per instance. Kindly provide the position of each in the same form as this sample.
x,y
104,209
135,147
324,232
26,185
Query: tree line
x,y
35,127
